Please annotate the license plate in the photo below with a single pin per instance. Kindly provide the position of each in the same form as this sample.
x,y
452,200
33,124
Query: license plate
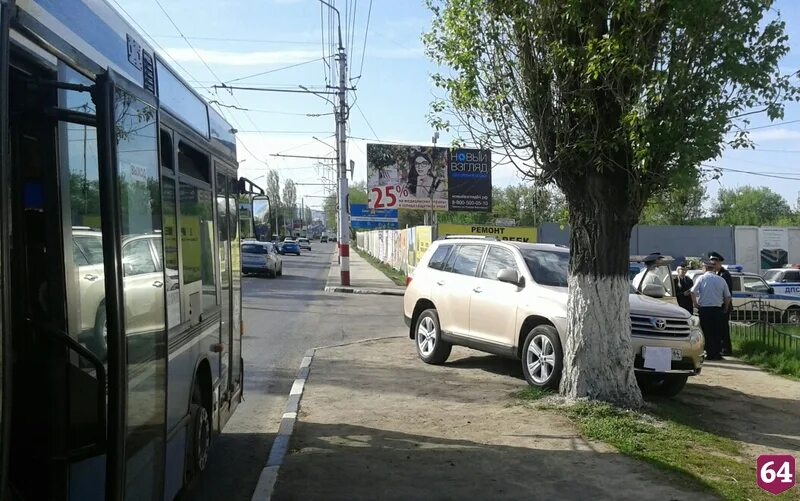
x,y
677,354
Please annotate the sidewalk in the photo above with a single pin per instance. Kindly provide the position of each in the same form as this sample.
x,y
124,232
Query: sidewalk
x,y
364,278
377,423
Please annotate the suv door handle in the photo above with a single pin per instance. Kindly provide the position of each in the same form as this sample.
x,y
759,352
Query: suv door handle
x,y
477,289
90,277
157,284
440,282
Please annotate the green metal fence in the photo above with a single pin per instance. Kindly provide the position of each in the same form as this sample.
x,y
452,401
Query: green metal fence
x,y
758,321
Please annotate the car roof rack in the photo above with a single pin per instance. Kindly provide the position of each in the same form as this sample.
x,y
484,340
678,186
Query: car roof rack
x,y
471,237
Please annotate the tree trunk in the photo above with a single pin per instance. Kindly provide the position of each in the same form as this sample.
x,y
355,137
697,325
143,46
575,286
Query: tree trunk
x,y
598,358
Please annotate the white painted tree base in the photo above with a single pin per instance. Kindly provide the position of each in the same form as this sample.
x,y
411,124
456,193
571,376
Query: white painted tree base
x,y
598,361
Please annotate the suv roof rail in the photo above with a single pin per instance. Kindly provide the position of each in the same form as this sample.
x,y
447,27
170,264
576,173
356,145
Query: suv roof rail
x,y
479,237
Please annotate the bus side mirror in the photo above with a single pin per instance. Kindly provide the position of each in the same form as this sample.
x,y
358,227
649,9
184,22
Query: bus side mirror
x,y
259,208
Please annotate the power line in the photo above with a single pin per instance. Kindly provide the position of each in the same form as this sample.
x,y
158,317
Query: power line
x,y
772,125
273,70
751,173
247,40
364,49
365,119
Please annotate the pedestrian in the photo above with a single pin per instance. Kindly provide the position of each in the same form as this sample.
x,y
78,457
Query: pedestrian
x,y
711,297
647,275
717,258
683,290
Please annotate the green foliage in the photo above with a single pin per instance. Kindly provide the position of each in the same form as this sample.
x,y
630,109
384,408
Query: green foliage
x,y
612,99
678,205
749,205
771,358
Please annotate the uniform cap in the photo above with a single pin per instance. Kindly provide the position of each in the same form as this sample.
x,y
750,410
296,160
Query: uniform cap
x,y
715,256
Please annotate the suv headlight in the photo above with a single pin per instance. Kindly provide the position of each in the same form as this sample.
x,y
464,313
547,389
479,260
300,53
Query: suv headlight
x,y
694,322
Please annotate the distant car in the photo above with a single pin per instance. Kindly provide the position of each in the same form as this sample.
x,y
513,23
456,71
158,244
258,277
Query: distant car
x,y
753,298
261,258
304,243
323,239
784,280
290,247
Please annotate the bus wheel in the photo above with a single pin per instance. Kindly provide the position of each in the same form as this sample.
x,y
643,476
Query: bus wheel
x,y
200,434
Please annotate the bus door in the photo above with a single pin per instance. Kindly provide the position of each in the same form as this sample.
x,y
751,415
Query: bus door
x,y
5,337
57,417
137,349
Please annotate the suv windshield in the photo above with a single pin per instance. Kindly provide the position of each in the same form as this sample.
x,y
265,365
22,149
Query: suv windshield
x,y
547,267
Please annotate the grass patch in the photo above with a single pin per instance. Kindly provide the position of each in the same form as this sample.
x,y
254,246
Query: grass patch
x,y
712,462
398,277
773,359
531,394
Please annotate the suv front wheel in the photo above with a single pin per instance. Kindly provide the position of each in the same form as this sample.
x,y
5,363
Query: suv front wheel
x,y
428,334
542,357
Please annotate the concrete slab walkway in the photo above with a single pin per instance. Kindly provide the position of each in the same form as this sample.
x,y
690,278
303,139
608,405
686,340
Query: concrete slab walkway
x,y
364,278
377,423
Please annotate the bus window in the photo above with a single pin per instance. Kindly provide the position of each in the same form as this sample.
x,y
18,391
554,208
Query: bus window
x,y
170,234
197,251
143,294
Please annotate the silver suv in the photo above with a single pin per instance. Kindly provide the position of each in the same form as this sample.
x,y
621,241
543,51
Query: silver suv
x,y
510,299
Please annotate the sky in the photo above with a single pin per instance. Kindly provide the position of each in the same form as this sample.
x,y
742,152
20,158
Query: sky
x,y
285,44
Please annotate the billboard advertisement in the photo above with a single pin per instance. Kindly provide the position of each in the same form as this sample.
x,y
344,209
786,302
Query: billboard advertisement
x,y
516,233
407,177
469,178
364,218
773,244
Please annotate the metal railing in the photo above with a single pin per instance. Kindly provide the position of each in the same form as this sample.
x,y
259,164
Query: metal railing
x,y
757,320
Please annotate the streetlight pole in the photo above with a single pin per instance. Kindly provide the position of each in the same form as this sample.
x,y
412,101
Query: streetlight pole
x,y
341,156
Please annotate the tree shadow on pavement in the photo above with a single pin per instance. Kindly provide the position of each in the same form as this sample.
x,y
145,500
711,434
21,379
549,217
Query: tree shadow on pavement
x,y
342,461
238,460
489,363
754,419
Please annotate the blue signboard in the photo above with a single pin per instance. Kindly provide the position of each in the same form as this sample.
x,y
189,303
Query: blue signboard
x,y
364,218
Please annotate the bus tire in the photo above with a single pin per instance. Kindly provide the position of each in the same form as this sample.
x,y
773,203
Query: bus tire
x,y
200,435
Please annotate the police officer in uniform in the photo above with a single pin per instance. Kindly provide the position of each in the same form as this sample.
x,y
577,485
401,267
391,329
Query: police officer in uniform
x,y
717,258
711,297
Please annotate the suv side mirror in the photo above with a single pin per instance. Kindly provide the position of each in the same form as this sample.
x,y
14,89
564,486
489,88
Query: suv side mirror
x,y
654,290
510,276
771,290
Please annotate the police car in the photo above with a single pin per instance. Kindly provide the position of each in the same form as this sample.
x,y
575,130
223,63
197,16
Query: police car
x,y
754,298
784,280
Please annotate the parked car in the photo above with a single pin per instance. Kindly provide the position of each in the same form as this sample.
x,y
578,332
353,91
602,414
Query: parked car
x,y
784,280
143,282
754,299
261,258
304,243
510,299
323,239
290,247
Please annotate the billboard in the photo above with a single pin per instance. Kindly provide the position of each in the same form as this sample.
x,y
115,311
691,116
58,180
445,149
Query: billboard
x,y
469,177
364,218
407,177
516,233
773,247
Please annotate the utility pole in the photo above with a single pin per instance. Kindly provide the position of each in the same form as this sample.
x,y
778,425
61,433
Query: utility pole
x,y
344,213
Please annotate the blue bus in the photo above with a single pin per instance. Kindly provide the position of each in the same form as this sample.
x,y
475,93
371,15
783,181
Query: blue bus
x,y
120,307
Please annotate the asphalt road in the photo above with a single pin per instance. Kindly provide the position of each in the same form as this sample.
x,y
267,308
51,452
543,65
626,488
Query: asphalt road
x,y
283,318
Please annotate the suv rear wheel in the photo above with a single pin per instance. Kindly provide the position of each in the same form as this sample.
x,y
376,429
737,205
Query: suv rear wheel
x,y
430,347
542,357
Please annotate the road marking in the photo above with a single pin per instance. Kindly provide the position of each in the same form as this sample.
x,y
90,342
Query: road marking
x,y
297,387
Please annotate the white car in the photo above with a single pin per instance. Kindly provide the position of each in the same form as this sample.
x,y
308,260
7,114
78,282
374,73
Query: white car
x,y
784,280
304,243
510,299
754,299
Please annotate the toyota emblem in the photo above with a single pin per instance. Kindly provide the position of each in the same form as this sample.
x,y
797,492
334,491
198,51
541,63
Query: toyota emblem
x,y
659,323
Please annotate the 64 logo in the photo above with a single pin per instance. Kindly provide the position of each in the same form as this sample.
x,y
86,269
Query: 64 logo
x,y
776,473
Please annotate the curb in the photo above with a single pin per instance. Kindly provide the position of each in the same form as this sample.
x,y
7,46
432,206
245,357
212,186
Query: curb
x,y
355,290
280,445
